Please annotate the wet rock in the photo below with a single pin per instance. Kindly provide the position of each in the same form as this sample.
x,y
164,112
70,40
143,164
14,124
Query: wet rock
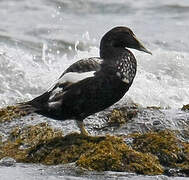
x,y
170,150
185,107
119,116
156,123
34,134
154,107
147,152
42,144
21,140
7,161
183,164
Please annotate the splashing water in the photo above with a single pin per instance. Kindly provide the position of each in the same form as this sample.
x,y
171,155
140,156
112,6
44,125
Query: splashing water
x,y
162,79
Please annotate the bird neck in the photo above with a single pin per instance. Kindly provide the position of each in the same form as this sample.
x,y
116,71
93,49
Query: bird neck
x,y
110,53
120,62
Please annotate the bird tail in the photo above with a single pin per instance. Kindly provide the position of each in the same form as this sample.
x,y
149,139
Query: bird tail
x,y
26,107
36,105
15,111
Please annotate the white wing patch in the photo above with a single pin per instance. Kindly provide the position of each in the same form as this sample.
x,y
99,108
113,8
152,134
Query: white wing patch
x,y
54,105
74,77
70,77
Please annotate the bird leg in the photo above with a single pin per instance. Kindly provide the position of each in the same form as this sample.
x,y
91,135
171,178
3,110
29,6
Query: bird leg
x,y
82,128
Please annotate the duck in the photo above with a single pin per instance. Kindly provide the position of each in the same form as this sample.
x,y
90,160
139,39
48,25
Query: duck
x,y
93,84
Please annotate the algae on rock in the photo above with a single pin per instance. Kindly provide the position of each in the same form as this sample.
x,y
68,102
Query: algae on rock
x,y
65,149
112,154
42,144
146,154
121,116
21,140
170,151
10,112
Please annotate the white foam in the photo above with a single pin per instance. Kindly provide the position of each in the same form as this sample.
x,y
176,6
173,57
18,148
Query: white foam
x,y
24,76
161,80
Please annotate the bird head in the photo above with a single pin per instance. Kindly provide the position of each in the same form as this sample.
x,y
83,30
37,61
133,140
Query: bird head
x,y
122,37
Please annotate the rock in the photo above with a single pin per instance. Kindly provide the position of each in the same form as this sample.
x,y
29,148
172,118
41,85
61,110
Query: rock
x,y
7,161
27,137
185,107
112,154
120,116
149,151
163,144
42,144
170,150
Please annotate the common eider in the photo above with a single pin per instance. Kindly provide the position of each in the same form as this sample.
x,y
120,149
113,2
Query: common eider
x,y
91,85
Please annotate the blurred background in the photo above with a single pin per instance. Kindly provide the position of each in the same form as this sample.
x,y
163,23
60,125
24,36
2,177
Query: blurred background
x,y
39,39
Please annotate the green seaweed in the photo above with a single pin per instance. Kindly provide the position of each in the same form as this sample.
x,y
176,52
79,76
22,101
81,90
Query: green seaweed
x,y
10,112
121,116
42,144
21,140
147,153
62,149
112,154
164,144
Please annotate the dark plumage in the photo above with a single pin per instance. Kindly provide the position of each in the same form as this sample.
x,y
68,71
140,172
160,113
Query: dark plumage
x,y
75,96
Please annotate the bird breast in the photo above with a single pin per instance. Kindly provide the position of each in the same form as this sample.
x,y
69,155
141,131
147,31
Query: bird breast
x,y
126,68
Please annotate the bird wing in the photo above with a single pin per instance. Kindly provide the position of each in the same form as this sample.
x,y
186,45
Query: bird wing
x,y
86,97
76,72
84,65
